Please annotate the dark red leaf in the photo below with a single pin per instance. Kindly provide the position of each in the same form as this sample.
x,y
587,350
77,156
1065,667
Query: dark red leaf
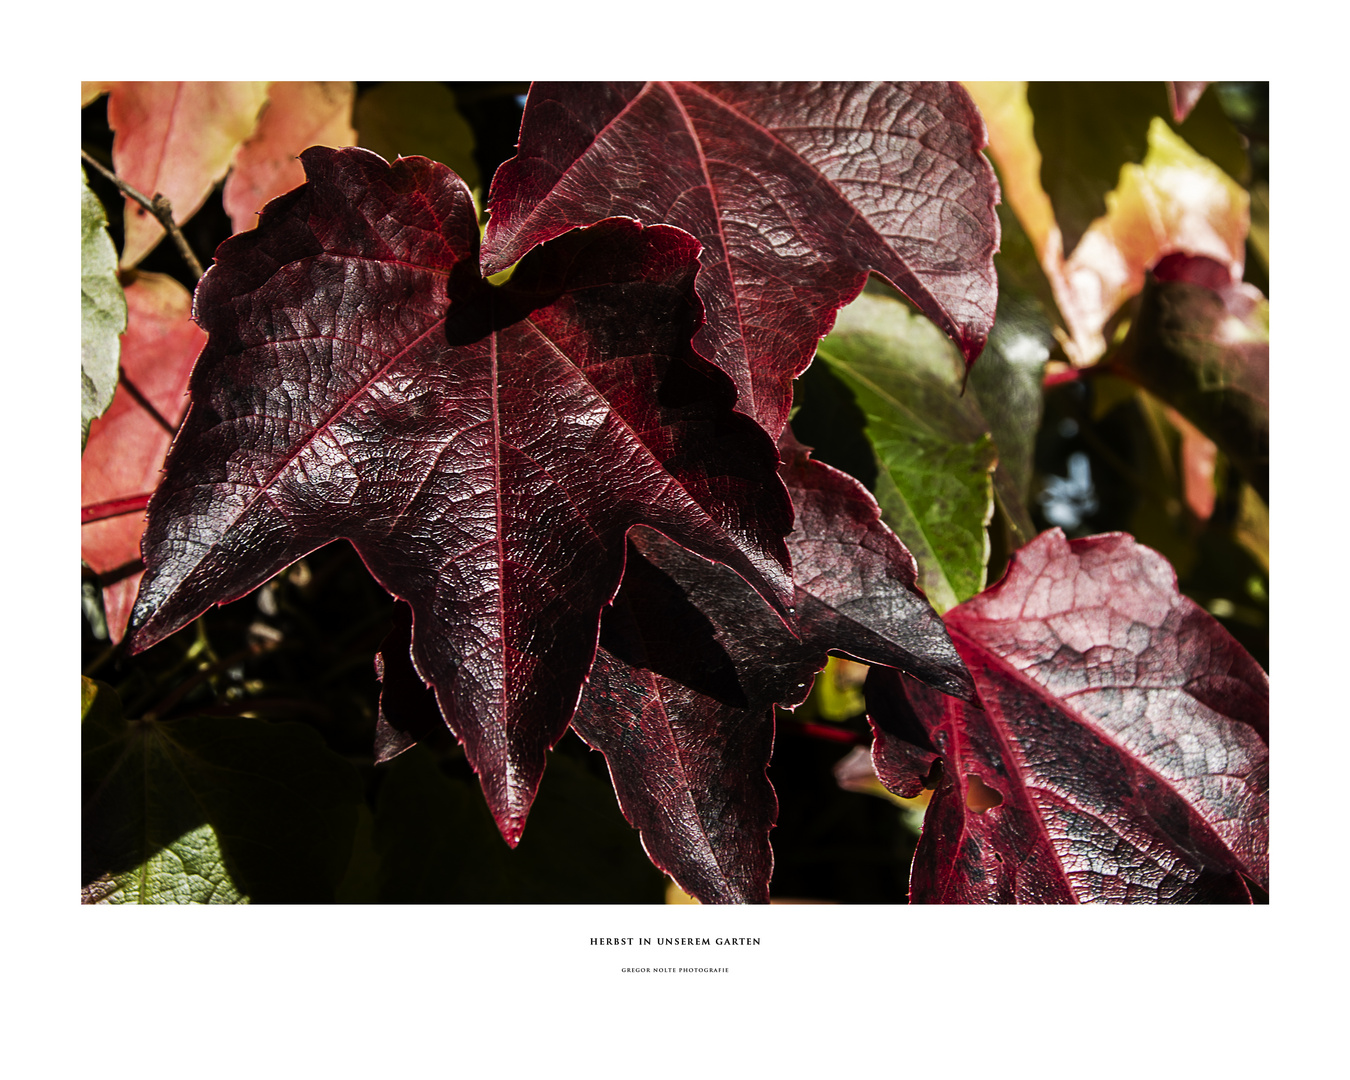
x,y
1200,340
681,697
408,710
1120,754
795,190
486,459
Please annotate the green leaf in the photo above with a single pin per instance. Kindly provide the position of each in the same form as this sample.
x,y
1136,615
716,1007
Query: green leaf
x,y
210,810
932,445
1087,130
406,118
438,844
103,310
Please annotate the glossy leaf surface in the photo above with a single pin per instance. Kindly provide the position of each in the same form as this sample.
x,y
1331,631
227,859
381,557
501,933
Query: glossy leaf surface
x,y
1120,753
933,447
210,810
485,457
297,115
127,443
176,139
103,311
795,191
691,665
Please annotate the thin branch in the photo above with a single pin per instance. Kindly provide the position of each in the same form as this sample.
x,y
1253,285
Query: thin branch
x,y
159,206
144,402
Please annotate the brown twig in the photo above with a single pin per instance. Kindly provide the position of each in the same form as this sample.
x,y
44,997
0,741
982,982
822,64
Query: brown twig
x,y
159,206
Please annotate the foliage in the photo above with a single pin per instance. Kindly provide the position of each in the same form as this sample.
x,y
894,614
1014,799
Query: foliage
x,y
551,442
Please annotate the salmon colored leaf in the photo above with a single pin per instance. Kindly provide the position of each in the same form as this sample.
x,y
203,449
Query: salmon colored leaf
x,y
486,450
1118,753
103,311
1087,131
175,139
297,115
127,444
795,190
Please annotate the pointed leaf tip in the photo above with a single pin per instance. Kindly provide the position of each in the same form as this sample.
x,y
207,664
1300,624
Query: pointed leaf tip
x,y
486,457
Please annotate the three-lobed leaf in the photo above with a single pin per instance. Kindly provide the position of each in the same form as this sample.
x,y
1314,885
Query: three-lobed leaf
x,y
1118,752
795,191
485,450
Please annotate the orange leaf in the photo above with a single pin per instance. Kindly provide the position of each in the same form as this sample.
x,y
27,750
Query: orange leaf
x,y
176,139
298,115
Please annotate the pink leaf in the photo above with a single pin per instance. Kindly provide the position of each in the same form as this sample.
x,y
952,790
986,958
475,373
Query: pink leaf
x,y
1120,752
795,190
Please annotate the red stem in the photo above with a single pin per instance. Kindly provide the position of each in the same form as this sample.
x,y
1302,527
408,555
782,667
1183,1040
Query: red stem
x,y
830,734
128,504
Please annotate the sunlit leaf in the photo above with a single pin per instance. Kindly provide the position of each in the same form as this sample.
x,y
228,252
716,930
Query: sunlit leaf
x,y
1175,200
795,191
935,452
1118,752
297,115
176,139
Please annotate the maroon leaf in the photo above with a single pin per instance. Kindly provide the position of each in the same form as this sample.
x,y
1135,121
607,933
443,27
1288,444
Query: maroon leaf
x,y
1120,754
486,459
1200,340
691,664
795,190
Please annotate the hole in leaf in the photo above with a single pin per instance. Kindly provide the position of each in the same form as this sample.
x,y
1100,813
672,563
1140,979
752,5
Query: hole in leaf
x,y
979,795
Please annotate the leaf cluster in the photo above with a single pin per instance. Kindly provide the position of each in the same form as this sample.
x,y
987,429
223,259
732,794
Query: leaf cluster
x,y
587,552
